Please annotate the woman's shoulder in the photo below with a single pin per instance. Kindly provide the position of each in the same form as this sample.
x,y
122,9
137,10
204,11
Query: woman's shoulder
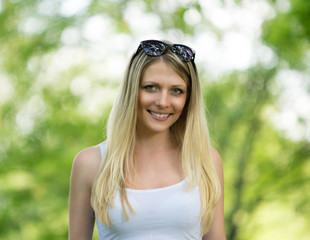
x,y
90,155
217,160
86,163
215,154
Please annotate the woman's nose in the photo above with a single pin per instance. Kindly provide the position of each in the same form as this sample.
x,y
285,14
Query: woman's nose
x,y
163,99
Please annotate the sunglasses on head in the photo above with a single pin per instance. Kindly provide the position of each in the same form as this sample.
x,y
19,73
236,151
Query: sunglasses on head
x,y
155,48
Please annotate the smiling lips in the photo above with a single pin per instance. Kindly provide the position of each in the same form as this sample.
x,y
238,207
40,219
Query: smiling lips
x,y
159,115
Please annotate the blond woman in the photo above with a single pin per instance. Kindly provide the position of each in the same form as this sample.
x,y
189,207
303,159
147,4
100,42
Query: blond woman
x,y
156,176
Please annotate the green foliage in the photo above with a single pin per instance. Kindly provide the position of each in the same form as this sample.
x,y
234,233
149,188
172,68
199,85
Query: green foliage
x,y
289,33
42,127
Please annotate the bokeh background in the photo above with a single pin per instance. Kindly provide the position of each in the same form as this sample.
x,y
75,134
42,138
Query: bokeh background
x,y
61,63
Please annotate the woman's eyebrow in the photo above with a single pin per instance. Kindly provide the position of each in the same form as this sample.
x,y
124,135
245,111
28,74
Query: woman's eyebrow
x,y
179,85
156,83
150,82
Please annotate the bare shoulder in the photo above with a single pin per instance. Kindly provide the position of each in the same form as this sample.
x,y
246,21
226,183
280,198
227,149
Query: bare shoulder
x,y
86,163
216,157
217,161
89,156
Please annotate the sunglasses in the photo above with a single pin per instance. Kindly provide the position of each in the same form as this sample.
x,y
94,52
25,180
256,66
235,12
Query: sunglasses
x,y
155,48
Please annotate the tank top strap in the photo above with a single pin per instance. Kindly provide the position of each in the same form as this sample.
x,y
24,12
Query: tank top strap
x,y
102,146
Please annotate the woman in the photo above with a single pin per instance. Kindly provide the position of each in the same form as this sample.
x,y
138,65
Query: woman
x,y
156,176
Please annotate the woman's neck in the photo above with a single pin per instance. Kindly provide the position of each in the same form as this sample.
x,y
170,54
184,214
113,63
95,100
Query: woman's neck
x,y
154,142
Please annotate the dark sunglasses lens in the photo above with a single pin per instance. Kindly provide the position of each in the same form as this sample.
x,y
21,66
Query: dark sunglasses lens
x,y
153,48
184,53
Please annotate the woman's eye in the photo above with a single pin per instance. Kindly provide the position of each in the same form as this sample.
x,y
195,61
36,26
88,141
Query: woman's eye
x,y
177,91
150,88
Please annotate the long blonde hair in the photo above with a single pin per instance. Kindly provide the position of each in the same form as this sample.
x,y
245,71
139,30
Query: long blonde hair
x,y
190,132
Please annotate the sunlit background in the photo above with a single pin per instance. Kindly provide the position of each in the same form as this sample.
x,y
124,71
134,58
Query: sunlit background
x,y
61,63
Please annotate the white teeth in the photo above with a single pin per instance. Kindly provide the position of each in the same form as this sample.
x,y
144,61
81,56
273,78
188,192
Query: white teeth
x,y
160,115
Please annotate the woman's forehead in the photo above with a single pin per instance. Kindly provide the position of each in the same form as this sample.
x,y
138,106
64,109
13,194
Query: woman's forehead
x,y
161,71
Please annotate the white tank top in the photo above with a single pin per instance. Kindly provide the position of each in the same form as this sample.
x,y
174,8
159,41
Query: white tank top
x,y
167,213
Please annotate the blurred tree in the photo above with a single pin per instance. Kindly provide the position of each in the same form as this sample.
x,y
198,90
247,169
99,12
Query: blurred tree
x,y
289,32
42,127
265,167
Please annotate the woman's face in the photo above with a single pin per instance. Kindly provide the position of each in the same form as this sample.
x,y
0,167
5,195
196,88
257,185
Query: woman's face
x,y
162,96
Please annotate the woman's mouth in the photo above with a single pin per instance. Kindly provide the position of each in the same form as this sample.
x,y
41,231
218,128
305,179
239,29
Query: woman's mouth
x,y
159,115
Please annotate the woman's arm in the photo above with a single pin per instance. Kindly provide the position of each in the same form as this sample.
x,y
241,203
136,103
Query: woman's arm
x,y
217,230
81,215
